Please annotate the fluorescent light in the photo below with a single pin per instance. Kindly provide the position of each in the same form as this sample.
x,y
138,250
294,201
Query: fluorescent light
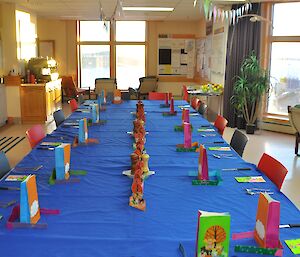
x,y
148,9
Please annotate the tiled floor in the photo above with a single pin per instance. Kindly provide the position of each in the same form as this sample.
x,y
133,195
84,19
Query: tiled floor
x,y
280,146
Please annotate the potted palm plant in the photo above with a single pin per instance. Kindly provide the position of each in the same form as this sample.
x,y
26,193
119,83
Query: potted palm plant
x,y
249,89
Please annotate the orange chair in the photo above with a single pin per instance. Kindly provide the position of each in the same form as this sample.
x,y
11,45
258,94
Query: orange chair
x,y
73,105
185,94
158,96
70,90
220,124
35,135
273,169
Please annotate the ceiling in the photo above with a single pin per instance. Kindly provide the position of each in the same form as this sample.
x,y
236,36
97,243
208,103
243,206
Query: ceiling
x,y
90,9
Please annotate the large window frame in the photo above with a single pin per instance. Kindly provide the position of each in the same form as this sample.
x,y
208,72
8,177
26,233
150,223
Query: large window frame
x,y
266,46
112,44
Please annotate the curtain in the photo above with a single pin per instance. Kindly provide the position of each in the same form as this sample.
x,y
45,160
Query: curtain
x,y
243,38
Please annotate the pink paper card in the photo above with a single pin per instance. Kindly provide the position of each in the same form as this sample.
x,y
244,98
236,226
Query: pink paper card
x,y
187,135
202,164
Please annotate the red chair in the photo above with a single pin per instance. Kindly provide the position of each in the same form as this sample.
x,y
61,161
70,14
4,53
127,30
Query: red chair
x,y
195,102
273,169
220,124
73,105
35,135
158,96
185,94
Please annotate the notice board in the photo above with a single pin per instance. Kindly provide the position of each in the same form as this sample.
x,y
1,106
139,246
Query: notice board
x,y
176,56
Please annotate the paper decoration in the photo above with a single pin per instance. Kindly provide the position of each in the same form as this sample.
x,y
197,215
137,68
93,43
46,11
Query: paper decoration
x,y
257,179
95,113
29,204
83,131
212,12
185,115
294,245
187,135
117,96
16,178
172,111
213,234
202,164
62,161
266,232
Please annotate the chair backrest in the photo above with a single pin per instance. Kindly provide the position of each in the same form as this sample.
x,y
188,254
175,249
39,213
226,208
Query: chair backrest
x,y
4,165
185,94
202,108
107,84
147,84
68,86
220,124
273,169
158,96
238,141
35,134
294,116
73,105
59,117
80,99
195,102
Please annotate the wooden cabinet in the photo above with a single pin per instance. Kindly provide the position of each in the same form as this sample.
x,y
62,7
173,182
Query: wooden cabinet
x,y
39,101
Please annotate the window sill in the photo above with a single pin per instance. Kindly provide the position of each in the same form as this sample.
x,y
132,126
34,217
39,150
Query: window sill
x,y
277,119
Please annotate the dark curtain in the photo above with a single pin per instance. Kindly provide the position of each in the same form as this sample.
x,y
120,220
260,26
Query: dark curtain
x,y
243,38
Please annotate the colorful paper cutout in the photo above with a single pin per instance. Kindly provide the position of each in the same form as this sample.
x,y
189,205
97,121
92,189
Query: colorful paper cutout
x,y
202,164
294,245
62,161
266,232
29,204
213,234
117,96
83,131
16,178
248,179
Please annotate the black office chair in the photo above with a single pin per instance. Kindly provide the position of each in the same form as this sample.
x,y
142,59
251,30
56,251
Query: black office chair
x,y
202,108
4,165
59,117
238,142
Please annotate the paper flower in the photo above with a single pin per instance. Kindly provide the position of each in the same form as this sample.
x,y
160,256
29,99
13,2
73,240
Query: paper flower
x,y
67,167
260,229
34,208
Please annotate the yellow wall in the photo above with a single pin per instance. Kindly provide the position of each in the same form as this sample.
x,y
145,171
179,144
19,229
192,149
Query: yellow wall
x,y
64,35
8,36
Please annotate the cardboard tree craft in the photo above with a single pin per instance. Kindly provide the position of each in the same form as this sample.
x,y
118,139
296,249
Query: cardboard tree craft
x,y
203,176
117,97
213,234
266,232
166,104
82,138
172,112
188,146
136,200
96,115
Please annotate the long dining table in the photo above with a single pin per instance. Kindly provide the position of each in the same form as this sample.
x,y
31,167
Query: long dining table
x,y
95,217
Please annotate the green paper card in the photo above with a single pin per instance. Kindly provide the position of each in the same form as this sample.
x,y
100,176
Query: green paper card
x,y
213,234
294,245
205,130
258,179
219,148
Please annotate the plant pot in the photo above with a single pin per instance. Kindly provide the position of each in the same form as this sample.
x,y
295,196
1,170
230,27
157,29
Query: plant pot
x,y
250,128
240,122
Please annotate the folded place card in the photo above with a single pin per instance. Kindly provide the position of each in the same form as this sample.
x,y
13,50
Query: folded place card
x,y
205,130
253,179
219,148
62,161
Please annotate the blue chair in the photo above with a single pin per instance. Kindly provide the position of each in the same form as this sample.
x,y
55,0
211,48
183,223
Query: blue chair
x,y
59,117
4,165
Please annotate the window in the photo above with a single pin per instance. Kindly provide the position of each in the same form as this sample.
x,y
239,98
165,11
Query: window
x,y
94,60
130,53
285,59
26,36
94,31
96,45
93,52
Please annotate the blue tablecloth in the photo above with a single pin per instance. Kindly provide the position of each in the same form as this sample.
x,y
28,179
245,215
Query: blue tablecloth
x,y
96,219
